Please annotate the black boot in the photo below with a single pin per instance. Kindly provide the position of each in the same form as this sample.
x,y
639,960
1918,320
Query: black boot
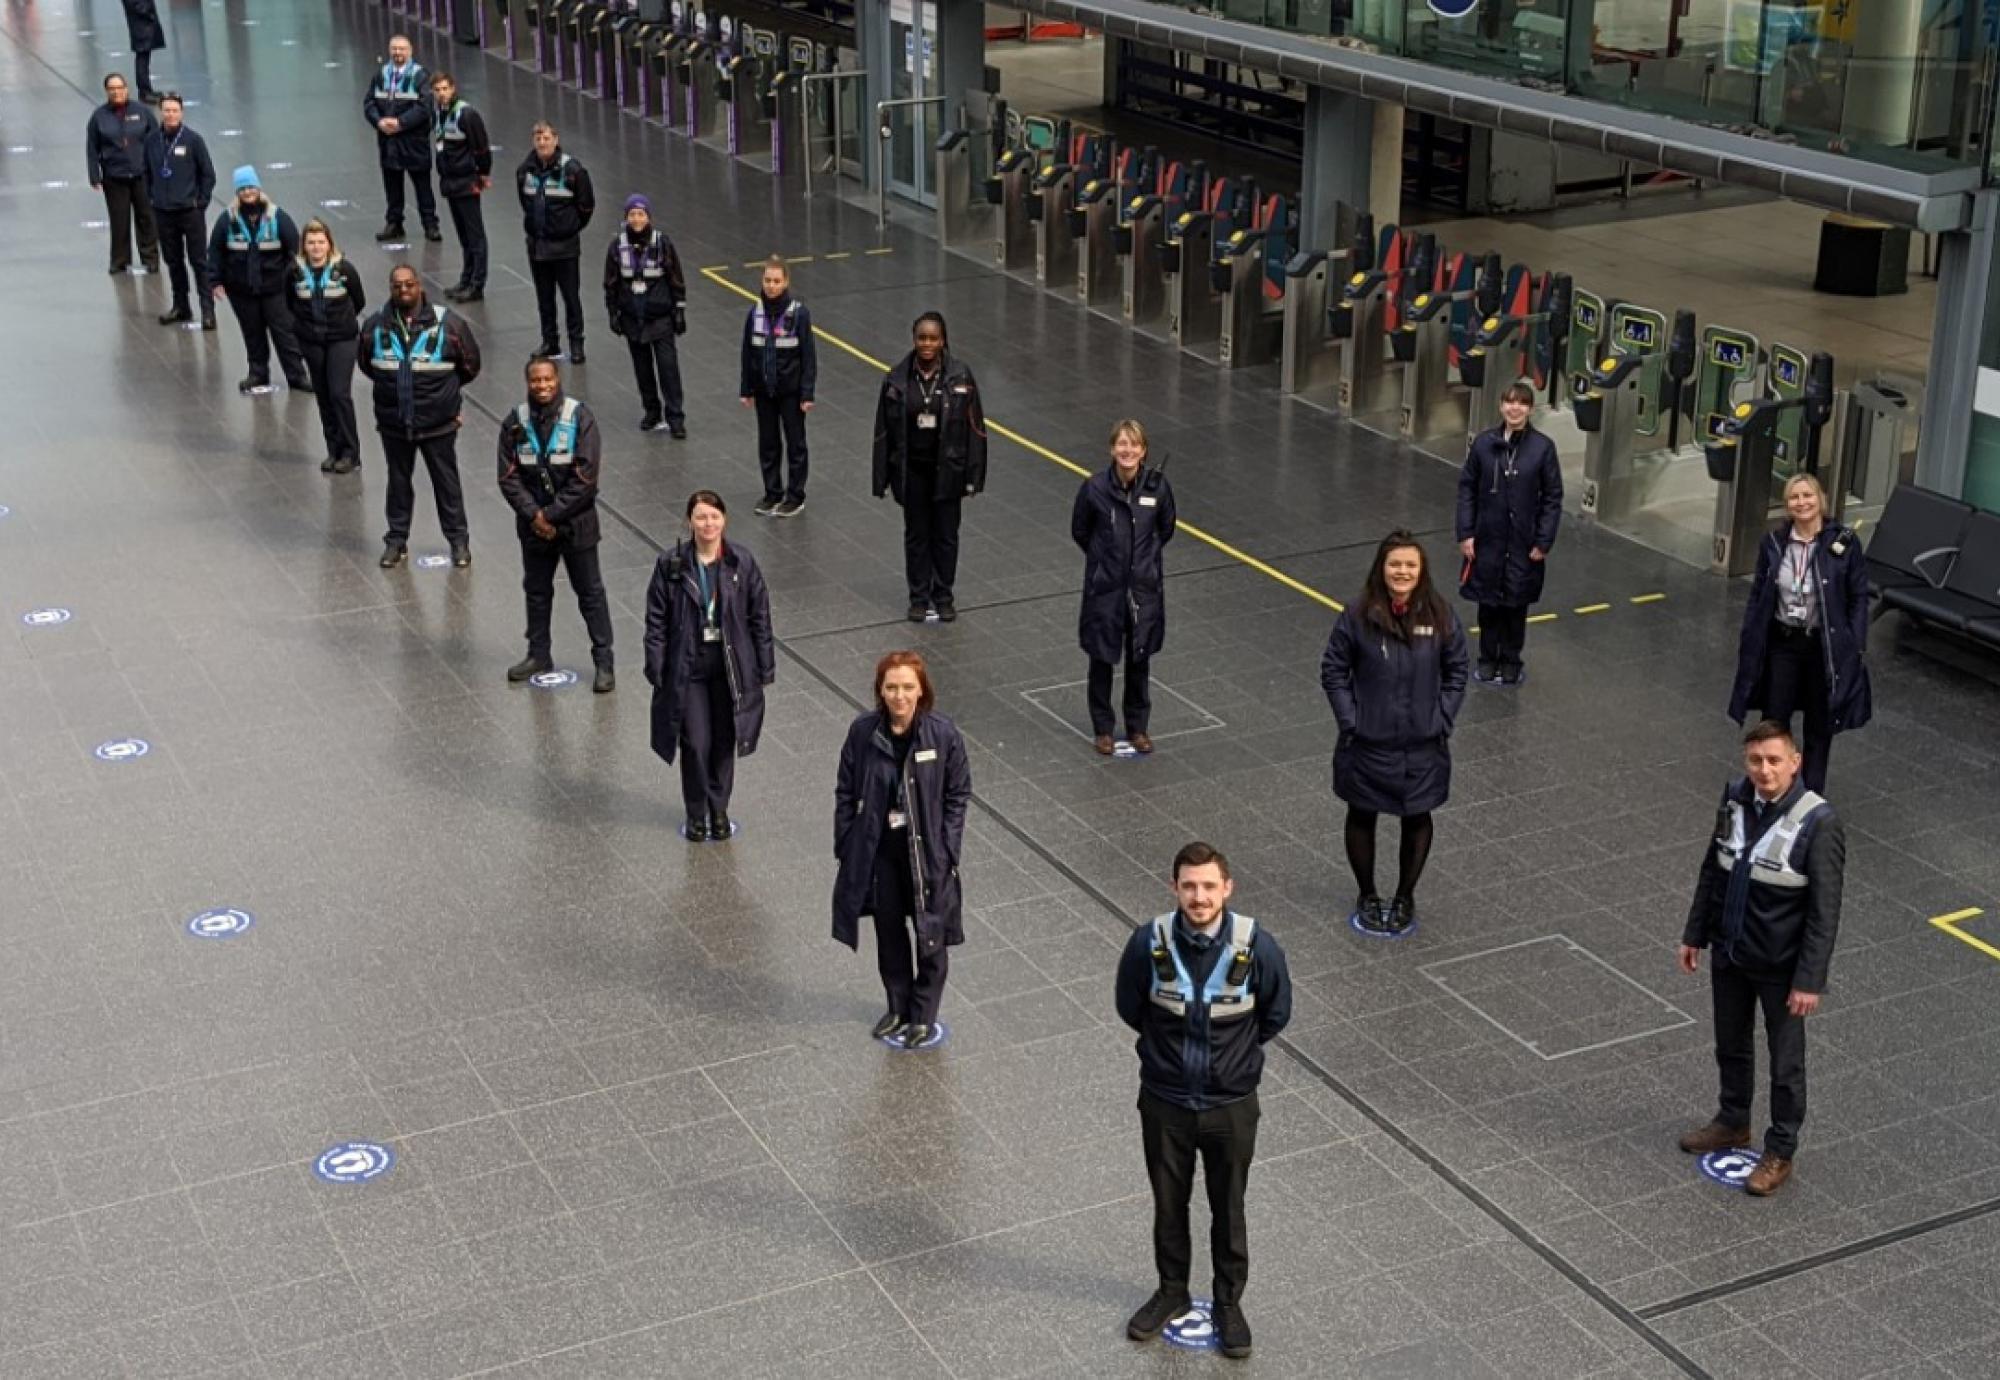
x,y
576,350
530,665
208,315
179,314
390,231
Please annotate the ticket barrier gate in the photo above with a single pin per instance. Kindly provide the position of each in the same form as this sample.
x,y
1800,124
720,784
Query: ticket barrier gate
x,y
1194,309
1245,271
962,218
1053,190
691,89
1758,438
590,34
1094,223
1512,344
663,98
1361,321
1141,240
739,91
496,19
1011,188
784,117
552,56
1435,332
1638,378
629,39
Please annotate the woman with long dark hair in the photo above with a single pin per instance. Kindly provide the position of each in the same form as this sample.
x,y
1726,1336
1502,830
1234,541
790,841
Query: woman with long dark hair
x,y
930,452
1394,672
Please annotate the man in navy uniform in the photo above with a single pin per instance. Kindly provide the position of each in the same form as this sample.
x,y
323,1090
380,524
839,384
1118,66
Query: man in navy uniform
x,y
398,105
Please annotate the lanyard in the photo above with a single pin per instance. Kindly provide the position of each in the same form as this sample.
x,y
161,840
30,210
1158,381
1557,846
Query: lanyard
x,y
708,581
395,81
928,391
167,159
1798,563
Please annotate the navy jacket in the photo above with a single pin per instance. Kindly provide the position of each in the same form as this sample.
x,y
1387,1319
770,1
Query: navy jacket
x,y
464,154
142,26
937,791
414,402
242,259
1187,1060
557,202
1783,932
564,494
658,311
326,306
673,638
192,183
409,103
773,368
961,446
1123,534
1508,510
1840,573
1390,693
114,142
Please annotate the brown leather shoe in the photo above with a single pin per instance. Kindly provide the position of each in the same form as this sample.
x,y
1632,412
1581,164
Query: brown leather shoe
x,y
1768,1177
1141,743
1715,1136
1102,742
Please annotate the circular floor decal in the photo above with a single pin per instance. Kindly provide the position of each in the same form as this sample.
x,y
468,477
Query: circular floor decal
x,y
1194,1329
735,828
224,923
122,749
354,1162
553,680
45,618
939,1034
1730,1168
1354,923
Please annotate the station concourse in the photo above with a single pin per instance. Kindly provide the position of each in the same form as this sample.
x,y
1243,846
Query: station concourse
x,y
633,1121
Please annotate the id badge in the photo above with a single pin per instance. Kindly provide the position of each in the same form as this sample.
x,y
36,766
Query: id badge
x,y
709,633
639,289
898,820
1794,609
927,421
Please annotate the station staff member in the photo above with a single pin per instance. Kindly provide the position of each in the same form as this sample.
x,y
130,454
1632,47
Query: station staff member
x,y
1510,500
930,452
327,300
180,180
1122,520
398,106
419,356
899,806
251,247
709,655
550,459
1805,628
557,202
780,370
465,172
145,37
1767,906
1206,988
114,153
645,293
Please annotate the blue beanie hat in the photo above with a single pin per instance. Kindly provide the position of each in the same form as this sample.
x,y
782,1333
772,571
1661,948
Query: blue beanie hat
x,y
246,176
638,202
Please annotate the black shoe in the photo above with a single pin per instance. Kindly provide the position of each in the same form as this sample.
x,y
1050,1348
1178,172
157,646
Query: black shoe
x,y
326,465
394,554
389,232
677,430
1373,920
117,269
455,292
915,1035
576,352
151,266
766,506
527,666
472,294
179,314
250,381
1513,675
919,611
719,827
947,611
697,830
887,1026
1233,1329
1402,915
344,464
1486,672
150,97
433,234
652,421
461,555
1156,1312
548,349
207,317
791,507
302,384
604,682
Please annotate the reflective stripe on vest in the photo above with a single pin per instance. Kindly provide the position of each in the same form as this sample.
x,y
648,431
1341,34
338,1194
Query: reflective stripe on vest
x,y
325,285
397,84
239,234
554,185
646,262
1226,994
1771,858
561,448
785,328
447,129
425,354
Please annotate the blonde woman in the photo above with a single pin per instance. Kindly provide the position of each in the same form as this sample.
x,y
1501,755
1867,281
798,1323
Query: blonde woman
x,y
326,298
1122,521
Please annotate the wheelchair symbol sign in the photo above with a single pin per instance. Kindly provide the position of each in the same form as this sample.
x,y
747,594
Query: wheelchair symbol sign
x,y
1195,1329
224,923
354,1162
45,618
553,680
122,750
1730,1168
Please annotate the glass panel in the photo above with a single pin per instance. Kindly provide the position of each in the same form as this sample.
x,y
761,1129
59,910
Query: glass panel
x,y
1508,38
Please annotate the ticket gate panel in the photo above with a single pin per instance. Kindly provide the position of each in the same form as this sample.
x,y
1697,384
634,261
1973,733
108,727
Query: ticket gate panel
x,y
963,215
1587,324
1732,372
1642,331
1098,283
740,97
1194,308
1252,327
1014,237
1142,235
1309,352
1367,385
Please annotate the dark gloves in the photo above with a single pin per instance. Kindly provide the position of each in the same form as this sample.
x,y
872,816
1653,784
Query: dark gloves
x,y
617,324
680,319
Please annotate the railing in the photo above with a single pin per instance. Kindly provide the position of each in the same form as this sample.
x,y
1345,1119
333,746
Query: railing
x,y
805,117
887,132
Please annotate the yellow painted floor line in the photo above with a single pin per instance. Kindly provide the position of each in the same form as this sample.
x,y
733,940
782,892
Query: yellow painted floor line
x,y
843,254
872,252
1949,924
1543,617
1647,598
1008,433
1592,608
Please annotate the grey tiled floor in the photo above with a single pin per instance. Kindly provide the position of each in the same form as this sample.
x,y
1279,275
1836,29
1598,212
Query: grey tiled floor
x,y
640,1129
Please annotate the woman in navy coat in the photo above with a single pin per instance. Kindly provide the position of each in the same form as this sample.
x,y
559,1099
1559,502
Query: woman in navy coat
x,y
1805,629
708,658
145,37
1510,501
899,832
1122,521
1394,672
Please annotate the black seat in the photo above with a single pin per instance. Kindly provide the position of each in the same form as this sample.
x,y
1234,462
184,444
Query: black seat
x,y
1970,599
1916,539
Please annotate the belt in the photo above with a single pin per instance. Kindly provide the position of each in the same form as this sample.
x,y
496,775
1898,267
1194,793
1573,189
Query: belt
x,y
1795,633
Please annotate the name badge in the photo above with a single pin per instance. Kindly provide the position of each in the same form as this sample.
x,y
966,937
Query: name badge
x,y
898,820
711,634
924,755
638,288
180,152
1423,630
927,421
1148,501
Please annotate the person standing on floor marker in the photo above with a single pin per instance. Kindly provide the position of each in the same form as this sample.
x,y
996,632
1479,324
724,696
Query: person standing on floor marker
x,y
114,154
1206,988
1510,500
780,370
709,655
419,357
145,37
645,293
1394,671
465,173
930,453
1767,907
398,107
1122,520
249,251
550,460
327,300
557,202
180,181
899,806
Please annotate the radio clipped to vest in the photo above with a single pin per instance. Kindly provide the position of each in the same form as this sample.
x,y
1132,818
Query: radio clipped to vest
x,y
1227,994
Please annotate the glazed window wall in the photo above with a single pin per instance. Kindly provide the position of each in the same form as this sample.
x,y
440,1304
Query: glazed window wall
x,y
1903,82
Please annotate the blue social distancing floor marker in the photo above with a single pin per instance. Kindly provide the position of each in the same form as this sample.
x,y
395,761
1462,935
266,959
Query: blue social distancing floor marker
x,y
1194,1330
553,680
431,560
1730,1168
354,1162
121,750
735,828
940,1032
1354,923
222,923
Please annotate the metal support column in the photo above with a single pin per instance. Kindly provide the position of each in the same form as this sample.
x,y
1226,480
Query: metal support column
x,y
1965,287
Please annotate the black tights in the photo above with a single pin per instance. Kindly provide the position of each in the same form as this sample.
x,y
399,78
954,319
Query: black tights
x,y
1414,852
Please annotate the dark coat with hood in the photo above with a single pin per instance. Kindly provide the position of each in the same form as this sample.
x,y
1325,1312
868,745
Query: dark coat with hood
x,y
412,403
1123,534
961,445
1395,699
408,103
1510,501
937,790
1840,573
673,640
142,26
564,494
